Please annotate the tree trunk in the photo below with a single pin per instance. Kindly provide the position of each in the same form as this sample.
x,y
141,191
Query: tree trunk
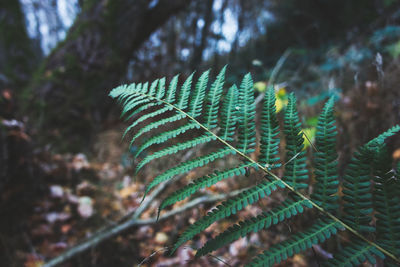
x,y
69,92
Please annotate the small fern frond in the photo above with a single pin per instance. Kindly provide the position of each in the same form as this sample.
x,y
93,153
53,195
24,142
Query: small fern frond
x,y
316,234
165,136
246,118
171,92
386,202
286,210
296,173
325,160
146,116
213,99
184,94
196,102
355,254
188,166
357,184
375,144
204,181
175,148
269,141
229,115
155,125
226,208
357,192
132,101
148,104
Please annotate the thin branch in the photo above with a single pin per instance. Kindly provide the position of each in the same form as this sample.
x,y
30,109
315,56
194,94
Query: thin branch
x,y
110,232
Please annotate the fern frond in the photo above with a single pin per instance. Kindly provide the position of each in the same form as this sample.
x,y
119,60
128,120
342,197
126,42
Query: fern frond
x,y
184,94
357,184
213,99
170,98
286,210
188,166
196,102
229,115
182,104
357,192
386,202
355,254
146,116
325,160
152,91
238,111
204,181
175,148
269,141
156,124
226,208
246,117
133,101
376,143
296,173
163,137
317,233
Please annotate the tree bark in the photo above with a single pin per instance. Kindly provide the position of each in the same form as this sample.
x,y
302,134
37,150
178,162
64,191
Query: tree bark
x,y
69,92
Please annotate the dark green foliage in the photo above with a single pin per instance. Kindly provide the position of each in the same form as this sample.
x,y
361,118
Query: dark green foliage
x,y
296,173
246,117
325,161
269,142
287,209
231,206
317,233
369,186
355,254
386,202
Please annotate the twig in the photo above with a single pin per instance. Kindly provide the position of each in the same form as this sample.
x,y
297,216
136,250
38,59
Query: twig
x,y
151,255
101,236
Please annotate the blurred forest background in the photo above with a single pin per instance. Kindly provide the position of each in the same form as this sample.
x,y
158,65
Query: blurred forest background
x,y
64,173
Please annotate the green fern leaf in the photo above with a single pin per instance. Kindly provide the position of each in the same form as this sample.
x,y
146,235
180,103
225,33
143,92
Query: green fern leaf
x,y
204,181
213,100
188,166
182,104
228,122
226,208
357,184
146,116
357,192
376,143
269,141
318,233
184,94
152,91
229,115
325,160
286,210
296,173
156,124
163,137
174,149
386,202
196,102
246,116
355,254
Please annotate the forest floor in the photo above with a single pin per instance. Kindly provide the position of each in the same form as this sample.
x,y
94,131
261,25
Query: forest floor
x,y
84,196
